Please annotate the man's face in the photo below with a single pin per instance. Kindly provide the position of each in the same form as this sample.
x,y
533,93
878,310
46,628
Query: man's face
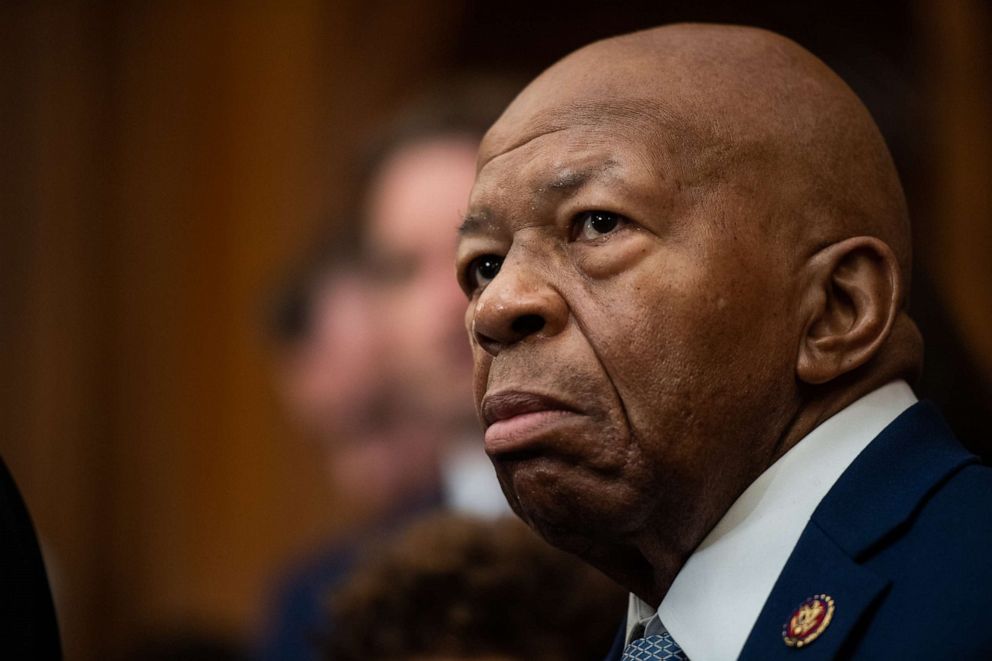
x,y
416,202
339,393
629,328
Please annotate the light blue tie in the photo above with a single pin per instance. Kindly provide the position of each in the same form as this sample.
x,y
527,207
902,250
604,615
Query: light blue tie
x,y
656,647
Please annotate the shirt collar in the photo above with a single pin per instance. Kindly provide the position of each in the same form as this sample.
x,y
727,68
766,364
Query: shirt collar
x,y
734,568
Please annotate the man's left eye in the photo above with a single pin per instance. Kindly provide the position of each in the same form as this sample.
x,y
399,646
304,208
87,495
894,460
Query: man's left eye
x,y
590,225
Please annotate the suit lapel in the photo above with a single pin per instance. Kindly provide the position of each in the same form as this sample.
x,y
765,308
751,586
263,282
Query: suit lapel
x,y
868,506
890,480
817,566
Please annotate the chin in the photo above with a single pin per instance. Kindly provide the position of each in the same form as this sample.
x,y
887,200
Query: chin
x,y
569,507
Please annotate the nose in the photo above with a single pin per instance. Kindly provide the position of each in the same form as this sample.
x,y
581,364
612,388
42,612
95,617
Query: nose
x,y
519,303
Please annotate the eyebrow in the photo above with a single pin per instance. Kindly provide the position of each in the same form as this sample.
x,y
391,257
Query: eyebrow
x,y
564,183
568,181
475,223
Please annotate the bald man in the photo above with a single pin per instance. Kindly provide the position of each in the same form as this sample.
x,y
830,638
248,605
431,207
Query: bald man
x,y
687,259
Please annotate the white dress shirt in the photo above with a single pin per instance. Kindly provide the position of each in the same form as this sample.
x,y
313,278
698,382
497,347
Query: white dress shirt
x,y
468,481
719,592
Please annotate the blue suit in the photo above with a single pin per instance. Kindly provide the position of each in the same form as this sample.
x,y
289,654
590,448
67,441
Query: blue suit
x,y
903,544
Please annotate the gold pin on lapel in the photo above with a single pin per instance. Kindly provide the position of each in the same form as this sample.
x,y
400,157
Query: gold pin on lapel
x,y
808,621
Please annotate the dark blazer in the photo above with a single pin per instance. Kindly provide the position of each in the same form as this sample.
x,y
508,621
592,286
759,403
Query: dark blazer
x,y
903,545
28,629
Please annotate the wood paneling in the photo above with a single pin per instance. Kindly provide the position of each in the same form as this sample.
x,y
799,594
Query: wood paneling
x,y
958,40
55,432
162,162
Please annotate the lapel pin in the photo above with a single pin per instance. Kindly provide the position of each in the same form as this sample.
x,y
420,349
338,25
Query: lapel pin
x,y
808,621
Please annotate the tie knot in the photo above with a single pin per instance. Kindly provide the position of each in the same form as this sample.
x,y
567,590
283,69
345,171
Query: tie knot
x,y
656,647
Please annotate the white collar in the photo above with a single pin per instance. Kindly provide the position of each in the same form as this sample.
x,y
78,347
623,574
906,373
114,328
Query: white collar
x,y
733,570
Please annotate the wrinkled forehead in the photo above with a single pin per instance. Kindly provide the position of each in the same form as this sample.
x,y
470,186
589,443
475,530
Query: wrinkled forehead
x,y
527,119
555,166
546,147
611,83
559,156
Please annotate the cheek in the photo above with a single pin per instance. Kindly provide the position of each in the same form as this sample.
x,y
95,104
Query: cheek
x,y
686,352
606,260
480,359
481,362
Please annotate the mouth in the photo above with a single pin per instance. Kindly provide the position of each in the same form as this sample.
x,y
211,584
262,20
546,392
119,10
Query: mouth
x,y
516,420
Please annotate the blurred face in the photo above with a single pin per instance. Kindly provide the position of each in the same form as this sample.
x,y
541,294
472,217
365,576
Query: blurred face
x,y
629,333
416,203
339,392
333,362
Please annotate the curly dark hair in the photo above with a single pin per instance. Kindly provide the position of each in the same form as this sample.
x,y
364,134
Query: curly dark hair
x,y
453,586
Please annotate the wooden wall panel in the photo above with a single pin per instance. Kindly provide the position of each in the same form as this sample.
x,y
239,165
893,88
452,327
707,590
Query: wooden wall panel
x,y
55,401
165,162
957,55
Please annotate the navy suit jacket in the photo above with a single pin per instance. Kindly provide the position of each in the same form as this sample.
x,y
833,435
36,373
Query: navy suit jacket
x,y
903,544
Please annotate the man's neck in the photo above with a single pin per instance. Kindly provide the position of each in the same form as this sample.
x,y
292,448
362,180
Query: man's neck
x,y
738,562
649,571
820,403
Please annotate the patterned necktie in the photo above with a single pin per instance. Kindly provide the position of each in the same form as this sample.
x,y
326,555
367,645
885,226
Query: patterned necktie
x,y
656,647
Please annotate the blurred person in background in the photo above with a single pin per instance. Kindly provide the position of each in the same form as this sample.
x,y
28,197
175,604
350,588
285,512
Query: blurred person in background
x,y
461,588
340,391
373,362
417,188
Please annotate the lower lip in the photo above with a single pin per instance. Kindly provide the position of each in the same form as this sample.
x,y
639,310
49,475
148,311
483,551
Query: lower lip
x,y
516,432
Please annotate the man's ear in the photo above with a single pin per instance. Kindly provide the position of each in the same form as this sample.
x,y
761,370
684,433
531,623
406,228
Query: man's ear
x,y
852,296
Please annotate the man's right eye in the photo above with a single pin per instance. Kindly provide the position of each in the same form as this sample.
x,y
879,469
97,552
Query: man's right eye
x,y
482,270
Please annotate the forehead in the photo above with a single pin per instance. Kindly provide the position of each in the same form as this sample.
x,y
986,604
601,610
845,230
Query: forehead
x,y
557,160
421,191
532,116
